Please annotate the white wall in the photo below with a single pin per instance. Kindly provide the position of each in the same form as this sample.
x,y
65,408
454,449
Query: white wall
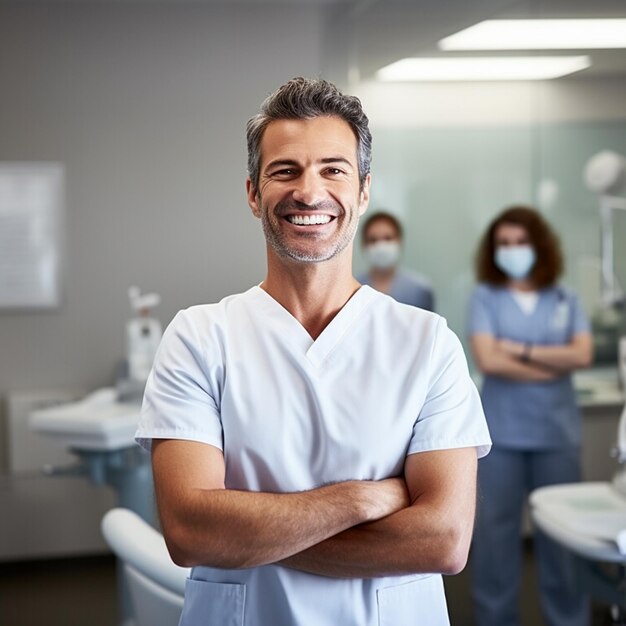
x,y
146,105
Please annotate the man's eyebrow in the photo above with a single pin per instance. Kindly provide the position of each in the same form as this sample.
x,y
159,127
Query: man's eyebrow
x,y
281,163
337,160
294,163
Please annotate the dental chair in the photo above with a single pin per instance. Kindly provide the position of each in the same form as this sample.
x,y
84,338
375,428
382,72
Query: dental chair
x,y
156,585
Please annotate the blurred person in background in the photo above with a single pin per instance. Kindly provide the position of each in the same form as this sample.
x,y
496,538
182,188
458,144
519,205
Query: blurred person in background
x,y
382,236
528,334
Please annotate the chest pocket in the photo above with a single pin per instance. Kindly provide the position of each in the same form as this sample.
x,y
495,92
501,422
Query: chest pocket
x,y
561,318
209,604
420,601
559,322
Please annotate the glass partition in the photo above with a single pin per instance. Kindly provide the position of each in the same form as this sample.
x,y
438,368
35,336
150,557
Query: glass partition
x,y
446,184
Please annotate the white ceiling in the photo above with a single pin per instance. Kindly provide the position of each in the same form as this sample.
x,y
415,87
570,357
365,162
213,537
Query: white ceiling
x,y
386,30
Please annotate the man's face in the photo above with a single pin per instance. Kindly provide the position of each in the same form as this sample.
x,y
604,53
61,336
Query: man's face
x,y
308,198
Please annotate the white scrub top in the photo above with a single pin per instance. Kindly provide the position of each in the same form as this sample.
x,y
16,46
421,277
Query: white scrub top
x,y
382,381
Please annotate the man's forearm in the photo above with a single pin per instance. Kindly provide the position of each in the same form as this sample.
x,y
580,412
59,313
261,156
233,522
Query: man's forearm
x,y
407,542
431,536
237,529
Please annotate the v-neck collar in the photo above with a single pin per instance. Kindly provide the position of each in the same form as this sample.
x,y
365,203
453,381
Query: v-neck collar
x,y
515,296
318,350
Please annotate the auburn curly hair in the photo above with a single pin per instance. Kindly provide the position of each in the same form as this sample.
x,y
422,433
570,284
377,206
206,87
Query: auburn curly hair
x,y
549,264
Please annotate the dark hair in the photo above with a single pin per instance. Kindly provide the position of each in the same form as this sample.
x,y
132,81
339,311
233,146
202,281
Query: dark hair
x,y
303,99
549,264
384,216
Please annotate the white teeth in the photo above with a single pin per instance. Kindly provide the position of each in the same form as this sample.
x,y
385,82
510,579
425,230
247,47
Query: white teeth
x,y
306,220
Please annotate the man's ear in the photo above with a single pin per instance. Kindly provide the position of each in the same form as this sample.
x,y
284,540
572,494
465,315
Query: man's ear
x,y
364,194
253,198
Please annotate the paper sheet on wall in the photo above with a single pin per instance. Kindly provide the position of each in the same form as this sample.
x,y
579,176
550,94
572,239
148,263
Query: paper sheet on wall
x,y
31,212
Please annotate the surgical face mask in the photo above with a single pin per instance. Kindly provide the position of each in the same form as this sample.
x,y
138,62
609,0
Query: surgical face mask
x,y
515,261
383,255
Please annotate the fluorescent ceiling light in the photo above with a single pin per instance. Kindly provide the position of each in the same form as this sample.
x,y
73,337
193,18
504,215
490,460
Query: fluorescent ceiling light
x,y
481,68
549,34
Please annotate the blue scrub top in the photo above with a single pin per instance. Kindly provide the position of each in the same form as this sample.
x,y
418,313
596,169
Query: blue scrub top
x,y
522,414
407,288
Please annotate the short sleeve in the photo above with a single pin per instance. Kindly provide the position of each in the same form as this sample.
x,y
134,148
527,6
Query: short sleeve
x,y
452,415
181,396
580,322
480,319
427,298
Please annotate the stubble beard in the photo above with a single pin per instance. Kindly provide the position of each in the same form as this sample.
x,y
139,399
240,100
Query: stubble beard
x,y
277,242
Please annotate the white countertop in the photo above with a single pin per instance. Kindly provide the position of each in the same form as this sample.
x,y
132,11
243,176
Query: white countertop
x,y
598,386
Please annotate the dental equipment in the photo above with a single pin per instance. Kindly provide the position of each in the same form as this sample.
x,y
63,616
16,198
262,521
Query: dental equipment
x,y
619,480
605,175
143,335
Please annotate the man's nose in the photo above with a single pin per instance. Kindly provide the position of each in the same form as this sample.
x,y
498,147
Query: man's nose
x,y
309,189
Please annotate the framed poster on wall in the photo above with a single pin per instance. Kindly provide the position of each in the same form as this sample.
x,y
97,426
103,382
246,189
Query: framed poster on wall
x,y
32,199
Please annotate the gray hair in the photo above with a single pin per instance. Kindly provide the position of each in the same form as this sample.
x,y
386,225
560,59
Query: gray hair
x,y
303,99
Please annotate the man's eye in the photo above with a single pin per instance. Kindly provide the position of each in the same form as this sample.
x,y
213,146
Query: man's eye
x,y
284,172
334,171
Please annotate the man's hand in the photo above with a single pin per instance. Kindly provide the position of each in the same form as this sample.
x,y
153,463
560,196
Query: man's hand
x,y
431,535
384,497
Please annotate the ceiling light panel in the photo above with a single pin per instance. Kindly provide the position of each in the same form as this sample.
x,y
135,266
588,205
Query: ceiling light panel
x,y
481,68
544,34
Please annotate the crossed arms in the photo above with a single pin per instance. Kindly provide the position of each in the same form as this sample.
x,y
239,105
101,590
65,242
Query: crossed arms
x,y
503,357
355,529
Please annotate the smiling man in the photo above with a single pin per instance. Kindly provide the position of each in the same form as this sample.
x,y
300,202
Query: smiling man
x,y
314,442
